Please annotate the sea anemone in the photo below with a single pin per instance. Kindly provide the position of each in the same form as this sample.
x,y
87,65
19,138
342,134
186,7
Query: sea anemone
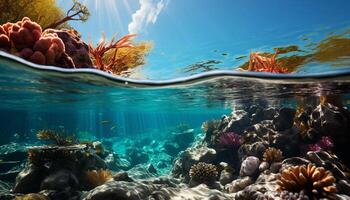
x,y
230,140
272,155
96,178
315,181
203,173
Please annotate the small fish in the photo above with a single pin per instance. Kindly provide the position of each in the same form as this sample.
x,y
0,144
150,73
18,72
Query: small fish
x,y
40,119
105,122
61,126
240,57
113,127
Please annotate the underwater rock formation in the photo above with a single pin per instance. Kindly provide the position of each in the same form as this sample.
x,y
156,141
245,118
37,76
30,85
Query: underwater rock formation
x,y
74,47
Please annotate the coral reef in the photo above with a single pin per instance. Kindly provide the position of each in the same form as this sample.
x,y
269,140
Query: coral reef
x,y
313,180
32,196
272,155
203,173
96,178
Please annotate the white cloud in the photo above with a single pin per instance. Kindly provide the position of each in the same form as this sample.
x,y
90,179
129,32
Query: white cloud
x,y
147,13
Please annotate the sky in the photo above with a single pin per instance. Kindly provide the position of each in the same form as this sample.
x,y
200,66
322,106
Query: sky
x,y
188,31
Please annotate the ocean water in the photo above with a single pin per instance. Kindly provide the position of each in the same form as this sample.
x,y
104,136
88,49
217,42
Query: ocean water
x,y
129,114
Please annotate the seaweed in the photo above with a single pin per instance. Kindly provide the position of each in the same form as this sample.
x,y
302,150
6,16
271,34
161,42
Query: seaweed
x,y
59,139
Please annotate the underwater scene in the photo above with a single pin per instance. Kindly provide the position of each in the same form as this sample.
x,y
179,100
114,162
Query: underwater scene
x,y
174,100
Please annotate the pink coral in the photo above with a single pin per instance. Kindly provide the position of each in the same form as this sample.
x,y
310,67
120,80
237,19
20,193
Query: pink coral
x,y
325,143
230,139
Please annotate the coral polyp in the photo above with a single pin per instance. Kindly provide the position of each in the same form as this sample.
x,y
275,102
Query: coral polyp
x,y
203,173
230,140
96,178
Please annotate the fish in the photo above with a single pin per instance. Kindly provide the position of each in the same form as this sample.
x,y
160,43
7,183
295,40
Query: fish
x,y
105,122
61,126
113,127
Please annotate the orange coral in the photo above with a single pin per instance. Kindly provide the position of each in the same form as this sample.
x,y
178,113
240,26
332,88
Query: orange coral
x,y
97,177
272,155
262,63
314,180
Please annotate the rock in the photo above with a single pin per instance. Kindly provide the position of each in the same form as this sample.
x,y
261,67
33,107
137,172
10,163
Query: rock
x,y
162,164
193,155
28,179
294,161
238,121
122,176
5,193
249,166
226,176
13,152
329,119
122,190
151,169
60,180
136,156
199,192
75,48
275,167
140,171
239,184
284,119
183,139
171,149
111,162
265,185
256,149
264,166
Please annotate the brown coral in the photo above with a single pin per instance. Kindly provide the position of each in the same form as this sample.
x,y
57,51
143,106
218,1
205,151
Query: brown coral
x,y
315,181
59,139
203,173
272,155
96,178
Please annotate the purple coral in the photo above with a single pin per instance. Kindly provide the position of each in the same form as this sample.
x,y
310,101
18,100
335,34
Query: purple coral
x,y
325,143
230,139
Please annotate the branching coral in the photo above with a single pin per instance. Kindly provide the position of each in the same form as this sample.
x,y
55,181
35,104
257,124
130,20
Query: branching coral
x,y
59,139
98,52
96,178
315,181
272,155
203,173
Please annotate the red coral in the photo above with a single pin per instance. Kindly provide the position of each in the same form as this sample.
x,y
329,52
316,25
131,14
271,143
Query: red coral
x,y
26,40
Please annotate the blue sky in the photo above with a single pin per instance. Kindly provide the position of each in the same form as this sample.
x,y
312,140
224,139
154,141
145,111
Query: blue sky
x,y
188,31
